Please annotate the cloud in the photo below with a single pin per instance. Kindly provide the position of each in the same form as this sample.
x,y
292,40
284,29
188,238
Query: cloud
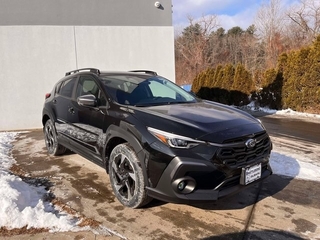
x,y
243,19
230,13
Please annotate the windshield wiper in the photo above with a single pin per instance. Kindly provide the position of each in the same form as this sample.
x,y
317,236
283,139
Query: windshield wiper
x,y
151,104
179,102
161,103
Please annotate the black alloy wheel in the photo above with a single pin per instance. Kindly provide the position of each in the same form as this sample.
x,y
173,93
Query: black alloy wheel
x,y
50,136
126,177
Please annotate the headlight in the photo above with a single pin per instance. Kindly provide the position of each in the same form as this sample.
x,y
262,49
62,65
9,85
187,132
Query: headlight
x,y
261,123
173,140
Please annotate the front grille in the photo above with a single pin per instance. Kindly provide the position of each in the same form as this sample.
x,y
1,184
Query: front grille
x,y
236,154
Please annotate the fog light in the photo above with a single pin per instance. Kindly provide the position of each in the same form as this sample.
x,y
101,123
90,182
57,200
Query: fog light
x,y
181,185
184,185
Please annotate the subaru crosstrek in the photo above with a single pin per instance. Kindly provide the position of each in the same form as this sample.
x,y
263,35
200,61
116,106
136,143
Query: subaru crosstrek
x,y
154,139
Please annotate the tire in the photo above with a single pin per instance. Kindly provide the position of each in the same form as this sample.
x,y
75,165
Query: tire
x,y
126,177
50,137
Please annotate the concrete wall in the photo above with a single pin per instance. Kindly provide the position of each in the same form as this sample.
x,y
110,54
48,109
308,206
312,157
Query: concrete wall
x,y
34,57
86,12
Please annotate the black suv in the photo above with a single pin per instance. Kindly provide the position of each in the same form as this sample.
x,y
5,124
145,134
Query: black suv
x,y
153,138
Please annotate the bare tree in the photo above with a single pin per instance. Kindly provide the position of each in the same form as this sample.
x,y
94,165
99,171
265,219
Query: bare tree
x,y
305,16
252,51
191,48
270,22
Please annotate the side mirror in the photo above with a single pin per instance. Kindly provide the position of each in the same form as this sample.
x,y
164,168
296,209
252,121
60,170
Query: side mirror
x,y
87,100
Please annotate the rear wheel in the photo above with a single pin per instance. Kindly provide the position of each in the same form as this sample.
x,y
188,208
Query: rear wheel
x,y
50,136
126,177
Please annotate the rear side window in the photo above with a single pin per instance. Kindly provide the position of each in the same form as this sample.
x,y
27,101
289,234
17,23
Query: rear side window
x,y
57,87
66,87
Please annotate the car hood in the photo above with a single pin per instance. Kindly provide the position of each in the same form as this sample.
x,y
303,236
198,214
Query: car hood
x,y
204,120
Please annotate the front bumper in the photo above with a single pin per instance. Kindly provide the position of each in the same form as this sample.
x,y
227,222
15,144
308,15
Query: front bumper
x,y
204,181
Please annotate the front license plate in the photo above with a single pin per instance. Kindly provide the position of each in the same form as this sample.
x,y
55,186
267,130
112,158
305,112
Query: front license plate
x,y
250,174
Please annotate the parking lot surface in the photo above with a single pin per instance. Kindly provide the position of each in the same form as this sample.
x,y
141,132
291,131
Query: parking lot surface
x,y
278,208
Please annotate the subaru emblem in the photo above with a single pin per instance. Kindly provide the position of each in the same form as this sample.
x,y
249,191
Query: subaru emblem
x,y
250,143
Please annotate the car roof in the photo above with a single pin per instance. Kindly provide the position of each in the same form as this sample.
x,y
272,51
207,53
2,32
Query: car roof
x,y
135,76
98,72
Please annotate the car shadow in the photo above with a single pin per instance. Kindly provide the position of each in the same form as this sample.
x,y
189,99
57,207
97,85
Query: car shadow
x,y
249,196
285,169
262,234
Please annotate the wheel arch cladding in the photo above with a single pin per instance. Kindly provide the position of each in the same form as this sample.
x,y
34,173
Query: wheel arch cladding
x,y
116,136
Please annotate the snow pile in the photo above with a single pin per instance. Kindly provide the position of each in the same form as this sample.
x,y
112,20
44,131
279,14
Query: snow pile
x,y
288,112
21,203
293,166
294,113
5,146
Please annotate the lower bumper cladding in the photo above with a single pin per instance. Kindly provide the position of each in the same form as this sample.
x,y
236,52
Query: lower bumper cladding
x,y
201,181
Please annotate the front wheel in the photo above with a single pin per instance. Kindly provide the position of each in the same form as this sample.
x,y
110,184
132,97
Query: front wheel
x,y
50,136
126,177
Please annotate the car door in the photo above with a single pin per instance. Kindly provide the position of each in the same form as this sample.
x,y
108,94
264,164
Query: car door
x,y
87,122
61,105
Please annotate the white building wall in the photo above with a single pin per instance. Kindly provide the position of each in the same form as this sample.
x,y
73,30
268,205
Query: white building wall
x,y
127,48
33,58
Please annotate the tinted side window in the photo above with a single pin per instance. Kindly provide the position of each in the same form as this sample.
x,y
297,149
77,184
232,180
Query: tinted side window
x,y
67,87
58,87
87,85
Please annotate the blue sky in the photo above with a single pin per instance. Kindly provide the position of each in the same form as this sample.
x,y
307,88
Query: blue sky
x,y
230,13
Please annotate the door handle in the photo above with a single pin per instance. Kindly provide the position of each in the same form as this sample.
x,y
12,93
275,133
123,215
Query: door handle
x,y
71,110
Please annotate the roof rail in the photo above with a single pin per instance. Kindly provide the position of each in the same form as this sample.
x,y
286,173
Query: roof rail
x,y
145,71
93,70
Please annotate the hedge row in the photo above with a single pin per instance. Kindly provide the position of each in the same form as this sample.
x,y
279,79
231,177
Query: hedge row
x,y
295,83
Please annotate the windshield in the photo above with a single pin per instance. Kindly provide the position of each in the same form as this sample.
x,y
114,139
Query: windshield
x,y
135,91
